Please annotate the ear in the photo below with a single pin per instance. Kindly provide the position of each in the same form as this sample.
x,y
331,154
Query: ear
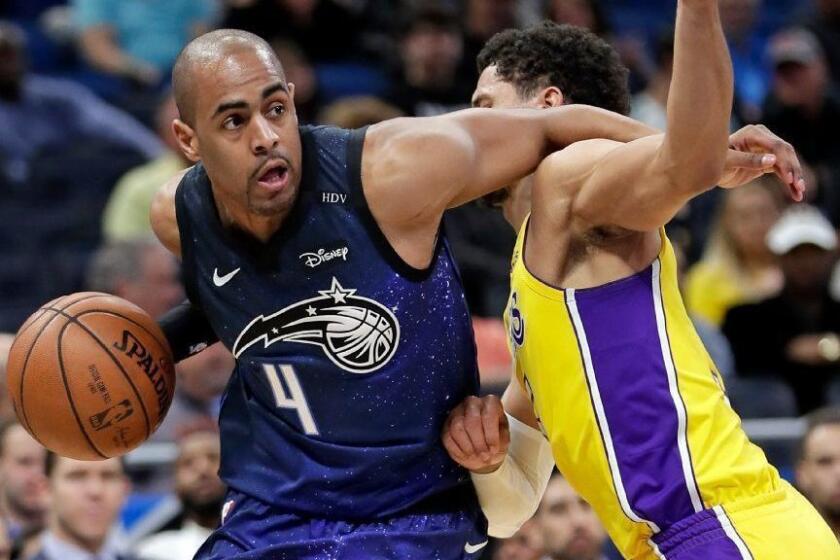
x,y
187,140
550,97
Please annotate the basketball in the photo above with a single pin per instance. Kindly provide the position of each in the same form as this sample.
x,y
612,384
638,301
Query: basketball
x,y
90,376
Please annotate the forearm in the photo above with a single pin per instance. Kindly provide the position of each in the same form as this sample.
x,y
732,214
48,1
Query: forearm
x,y
510,495
700,99
575,123
187,330
103,53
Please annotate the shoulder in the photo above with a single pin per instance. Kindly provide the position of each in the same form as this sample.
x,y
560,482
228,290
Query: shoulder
x,y
163,216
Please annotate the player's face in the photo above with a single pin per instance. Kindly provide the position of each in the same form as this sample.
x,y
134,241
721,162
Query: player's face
x,y
569,526
22,471
197,481
247,134
819,472
748,216
492,91
86,498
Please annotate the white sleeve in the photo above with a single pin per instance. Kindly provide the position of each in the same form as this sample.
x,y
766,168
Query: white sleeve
x,y
510,495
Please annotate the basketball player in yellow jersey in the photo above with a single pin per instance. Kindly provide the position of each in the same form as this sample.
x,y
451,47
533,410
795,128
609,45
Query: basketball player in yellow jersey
x,y
608,364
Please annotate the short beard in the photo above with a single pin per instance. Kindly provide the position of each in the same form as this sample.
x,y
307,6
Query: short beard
x,y
210,509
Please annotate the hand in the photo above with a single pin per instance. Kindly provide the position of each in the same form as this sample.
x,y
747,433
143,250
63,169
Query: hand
x,y
476,434
755,151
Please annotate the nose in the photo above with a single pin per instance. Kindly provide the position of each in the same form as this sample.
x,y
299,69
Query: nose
x,y
264,138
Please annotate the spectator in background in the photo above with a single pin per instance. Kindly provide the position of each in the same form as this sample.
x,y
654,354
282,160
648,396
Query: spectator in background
x,y
746,47
804,107
138,270
45,111
86,498
6,409
794,335
825,24
737,266
570,529
526,544
138,40
649,105
431,52
588,14
126,215
818,467
356,112
201,380
483,19
5,542
22,464
200,492
326,30
301,73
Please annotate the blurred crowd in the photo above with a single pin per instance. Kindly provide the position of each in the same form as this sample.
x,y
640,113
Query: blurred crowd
x,y
86,109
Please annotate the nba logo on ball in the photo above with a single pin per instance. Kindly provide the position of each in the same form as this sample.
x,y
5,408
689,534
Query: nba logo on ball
x,y
357,334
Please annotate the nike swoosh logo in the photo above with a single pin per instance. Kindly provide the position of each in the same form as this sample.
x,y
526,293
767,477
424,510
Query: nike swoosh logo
x,y
472,548
220,281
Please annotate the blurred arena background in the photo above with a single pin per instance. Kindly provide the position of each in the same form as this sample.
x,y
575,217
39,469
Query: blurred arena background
x,y
85,141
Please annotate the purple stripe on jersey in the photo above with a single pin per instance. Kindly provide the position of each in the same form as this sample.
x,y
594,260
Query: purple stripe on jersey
x,y
619,320
700,537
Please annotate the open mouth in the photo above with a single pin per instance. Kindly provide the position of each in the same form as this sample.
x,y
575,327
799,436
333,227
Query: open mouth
x,y
274,177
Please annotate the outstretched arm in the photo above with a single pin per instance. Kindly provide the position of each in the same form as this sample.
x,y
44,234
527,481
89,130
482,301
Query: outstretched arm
x,y
642,184
415,168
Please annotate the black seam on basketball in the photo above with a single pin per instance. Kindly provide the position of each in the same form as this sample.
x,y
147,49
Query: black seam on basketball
x,y
73,320
162,344
31,321
69,394
25,418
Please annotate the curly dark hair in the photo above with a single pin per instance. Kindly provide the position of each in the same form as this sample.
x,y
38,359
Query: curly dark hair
x,y
582,65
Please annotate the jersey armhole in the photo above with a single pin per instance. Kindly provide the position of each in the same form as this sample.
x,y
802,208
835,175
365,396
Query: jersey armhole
x,y
185,234
355,146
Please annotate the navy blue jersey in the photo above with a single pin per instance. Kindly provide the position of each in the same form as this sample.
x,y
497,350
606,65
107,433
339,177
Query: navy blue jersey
x,y
348,361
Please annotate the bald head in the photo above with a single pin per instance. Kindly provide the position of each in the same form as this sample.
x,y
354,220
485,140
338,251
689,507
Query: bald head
x,y
205,54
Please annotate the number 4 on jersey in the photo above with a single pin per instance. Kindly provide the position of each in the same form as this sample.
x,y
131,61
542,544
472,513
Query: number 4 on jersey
x,y
294,398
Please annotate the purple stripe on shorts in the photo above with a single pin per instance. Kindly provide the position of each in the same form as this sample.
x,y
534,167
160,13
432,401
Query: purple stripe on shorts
x,y
619,320
699,537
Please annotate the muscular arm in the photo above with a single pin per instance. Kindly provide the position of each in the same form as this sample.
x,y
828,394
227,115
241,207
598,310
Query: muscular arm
x,y
414,169
162,215
642,184
186,327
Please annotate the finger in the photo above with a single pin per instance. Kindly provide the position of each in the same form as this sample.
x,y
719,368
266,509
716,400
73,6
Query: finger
x,y
458,432
475,428
490,419
452,448
749,160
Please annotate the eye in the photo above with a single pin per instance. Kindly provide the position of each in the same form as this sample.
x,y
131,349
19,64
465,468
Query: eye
x,y
232,122
277,109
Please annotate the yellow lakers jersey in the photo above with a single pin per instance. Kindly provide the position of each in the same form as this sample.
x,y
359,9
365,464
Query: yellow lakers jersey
x,y
630,401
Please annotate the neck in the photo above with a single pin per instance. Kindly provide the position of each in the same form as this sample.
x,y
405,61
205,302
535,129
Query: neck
x,y
209,520
260,227
64,533
833,520
517,205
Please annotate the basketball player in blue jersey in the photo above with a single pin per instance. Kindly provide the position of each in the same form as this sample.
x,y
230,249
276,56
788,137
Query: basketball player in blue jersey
x,y
611,381
316,256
